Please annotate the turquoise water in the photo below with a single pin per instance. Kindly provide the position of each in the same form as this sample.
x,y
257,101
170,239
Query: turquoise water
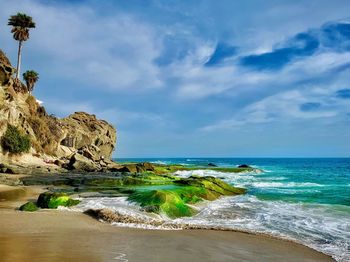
x,y
304,200
323,181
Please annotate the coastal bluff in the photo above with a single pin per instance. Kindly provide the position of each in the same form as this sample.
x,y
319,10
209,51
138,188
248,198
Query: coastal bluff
x,y
49,144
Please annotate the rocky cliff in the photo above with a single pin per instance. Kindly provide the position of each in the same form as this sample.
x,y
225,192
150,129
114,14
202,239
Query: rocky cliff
x,y
79,141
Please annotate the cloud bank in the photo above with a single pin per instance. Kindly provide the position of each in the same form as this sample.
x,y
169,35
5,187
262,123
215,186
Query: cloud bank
x,y
196,79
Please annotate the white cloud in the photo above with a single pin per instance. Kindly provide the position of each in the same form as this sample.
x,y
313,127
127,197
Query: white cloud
x,y
106,52
285,107
117,52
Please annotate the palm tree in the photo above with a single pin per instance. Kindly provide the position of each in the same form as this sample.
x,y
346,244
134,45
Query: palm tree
x,y
21,23
31,77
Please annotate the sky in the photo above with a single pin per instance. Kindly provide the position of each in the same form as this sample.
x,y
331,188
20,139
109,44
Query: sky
x,y
204,78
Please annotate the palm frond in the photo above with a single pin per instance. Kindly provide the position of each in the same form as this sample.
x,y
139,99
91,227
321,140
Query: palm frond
x,y
21,20
31,74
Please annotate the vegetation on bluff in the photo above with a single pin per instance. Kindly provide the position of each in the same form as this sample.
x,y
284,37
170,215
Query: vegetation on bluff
x,y
14,141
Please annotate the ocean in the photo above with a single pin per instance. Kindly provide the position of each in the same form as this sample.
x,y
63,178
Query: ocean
x,y
301,199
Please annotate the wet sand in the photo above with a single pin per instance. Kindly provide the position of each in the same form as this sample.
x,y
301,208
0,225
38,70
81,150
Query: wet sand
x,y
53,235
11,197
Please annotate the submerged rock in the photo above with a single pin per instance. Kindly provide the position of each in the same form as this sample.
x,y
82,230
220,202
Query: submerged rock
x,y
211,164
244,166
29,207
166,169
54,200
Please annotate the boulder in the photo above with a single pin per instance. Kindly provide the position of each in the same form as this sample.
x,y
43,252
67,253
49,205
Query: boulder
x,y
6,169
54,200
146,166
112,216
91,151
215,186
244,166
61,162
177,202
80,162
109,165
165,202
212,165
29,207
134,168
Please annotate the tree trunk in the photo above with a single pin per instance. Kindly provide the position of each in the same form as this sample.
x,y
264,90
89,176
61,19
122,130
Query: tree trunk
x,y
19,59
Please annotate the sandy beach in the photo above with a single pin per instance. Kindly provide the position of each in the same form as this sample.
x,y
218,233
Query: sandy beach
x,y
56,235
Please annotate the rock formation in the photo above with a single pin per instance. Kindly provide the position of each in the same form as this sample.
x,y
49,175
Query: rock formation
x,y
80,141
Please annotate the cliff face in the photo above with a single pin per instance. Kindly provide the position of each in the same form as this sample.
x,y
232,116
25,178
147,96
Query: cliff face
x,y
95,138
51,138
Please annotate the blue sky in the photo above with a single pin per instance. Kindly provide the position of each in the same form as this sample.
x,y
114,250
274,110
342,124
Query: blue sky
x,y
196,78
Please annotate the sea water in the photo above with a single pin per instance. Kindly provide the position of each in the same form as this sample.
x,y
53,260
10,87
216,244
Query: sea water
x,y
304,200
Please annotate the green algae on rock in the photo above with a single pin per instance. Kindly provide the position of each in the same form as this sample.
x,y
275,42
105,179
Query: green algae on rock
x,y
54,200
175,202
164,169
29,207
157,193
215,187
163,201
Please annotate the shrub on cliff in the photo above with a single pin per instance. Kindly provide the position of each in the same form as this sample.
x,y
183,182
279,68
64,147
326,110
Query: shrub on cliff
x,y
14,141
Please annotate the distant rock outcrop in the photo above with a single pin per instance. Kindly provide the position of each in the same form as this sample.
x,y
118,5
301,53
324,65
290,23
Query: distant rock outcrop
x,y
244,166
56,144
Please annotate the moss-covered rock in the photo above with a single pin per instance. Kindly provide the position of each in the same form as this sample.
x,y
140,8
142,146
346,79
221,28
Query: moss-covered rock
x,y
164,169
163,201
158,193
29,207
174,202
54,200
134,167
215,186
143,179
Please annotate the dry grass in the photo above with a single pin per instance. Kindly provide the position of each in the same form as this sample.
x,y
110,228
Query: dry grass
x,y
46,128
32,104
47,133
3,123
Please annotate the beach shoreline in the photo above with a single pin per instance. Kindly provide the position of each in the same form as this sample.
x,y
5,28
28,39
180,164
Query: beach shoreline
x,y
57,235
